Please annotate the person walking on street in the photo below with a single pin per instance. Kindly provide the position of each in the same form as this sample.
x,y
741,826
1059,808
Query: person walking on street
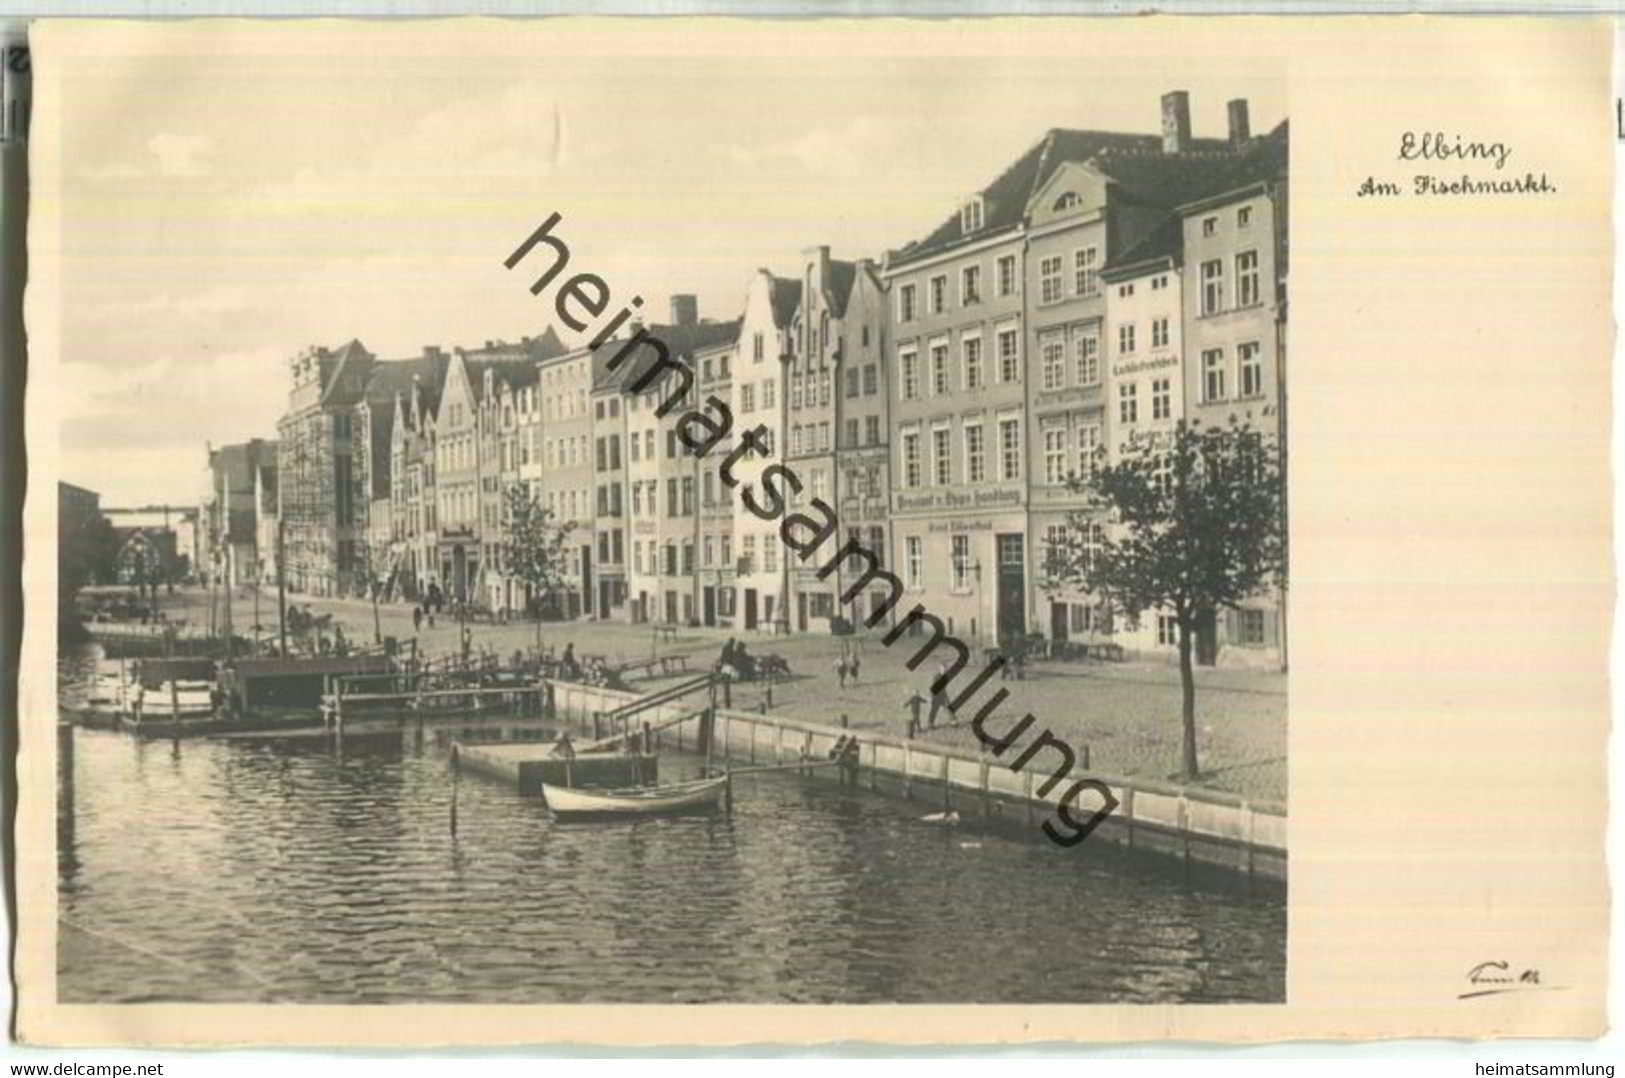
x,y
417,618
840,671
939,697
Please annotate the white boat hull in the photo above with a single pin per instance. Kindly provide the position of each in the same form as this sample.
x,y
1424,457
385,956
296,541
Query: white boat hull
x,y
655,800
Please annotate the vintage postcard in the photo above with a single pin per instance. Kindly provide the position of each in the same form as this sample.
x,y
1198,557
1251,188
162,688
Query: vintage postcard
x,y
698,531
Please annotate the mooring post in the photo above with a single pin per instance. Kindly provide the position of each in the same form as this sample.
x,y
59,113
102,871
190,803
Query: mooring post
x,y
769,695
946,805
456,770
727,693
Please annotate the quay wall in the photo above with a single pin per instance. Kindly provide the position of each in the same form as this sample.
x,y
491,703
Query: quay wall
x,y
1198,826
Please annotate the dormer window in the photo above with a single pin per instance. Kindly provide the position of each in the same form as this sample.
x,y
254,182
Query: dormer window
x,y
970,215
1067,201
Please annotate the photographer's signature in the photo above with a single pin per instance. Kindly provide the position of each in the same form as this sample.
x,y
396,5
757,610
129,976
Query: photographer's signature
x,y
1498,978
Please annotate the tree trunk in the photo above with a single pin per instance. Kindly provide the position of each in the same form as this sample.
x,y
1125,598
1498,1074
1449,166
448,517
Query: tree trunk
x,y
1187,683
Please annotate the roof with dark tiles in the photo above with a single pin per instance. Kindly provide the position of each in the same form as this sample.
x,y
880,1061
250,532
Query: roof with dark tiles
x,y
681,341
1004,201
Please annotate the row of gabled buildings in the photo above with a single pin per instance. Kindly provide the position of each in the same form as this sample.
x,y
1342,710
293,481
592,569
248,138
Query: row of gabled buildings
x,y
1102,288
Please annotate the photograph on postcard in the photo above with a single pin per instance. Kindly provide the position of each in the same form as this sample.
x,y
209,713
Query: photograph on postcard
x,y
524,539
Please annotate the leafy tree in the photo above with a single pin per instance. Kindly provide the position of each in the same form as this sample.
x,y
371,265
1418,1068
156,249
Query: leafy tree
x,y
534,548
87,553
1193,524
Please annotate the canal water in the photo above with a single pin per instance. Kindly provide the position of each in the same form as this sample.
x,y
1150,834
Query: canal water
x,y
305,871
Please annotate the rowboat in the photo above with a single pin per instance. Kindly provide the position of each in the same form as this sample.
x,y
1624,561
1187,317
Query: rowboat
x,y
699,796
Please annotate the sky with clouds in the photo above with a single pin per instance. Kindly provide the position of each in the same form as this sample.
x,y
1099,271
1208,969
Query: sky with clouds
x,y
223,207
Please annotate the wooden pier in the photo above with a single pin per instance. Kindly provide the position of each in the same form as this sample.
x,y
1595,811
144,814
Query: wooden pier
x,y
1198,827
528,765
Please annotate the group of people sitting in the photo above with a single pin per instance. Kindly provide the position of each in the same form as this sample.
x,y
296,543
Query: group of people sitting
x,y
736,662
595,671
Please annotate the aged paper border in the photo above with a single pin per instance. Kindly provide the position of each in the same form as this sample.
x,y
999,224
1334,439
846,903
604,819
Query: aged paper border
x,y
1451,510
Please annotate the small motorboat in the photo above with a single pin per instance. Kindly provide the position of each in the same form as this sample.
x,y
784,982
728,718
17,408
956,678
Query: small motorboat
x,y
701,795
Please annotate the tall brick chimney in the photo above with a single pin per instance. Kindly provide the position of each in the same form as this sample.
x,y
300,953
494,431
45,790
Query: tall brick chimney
x,y
1240,129
685,309
1176,122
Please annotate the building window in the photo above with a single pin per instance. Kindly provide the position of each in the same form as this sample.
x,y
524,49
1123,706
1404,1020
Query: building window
x,y
1213,374
1054,353
1088,358
911,459
747,398
1247,279
941,457
939,368
709,551
1244,217
970,285
851,434
1049,279
1124,291
1159,333
909,371
770,556
1162,399
758,348
795,394
1125,338
972,347
915,570
1055,455
1009,355
1210,226
769,392
970,216
854,381
1212,286
1088,449
905,303
871,429
1128,403
1086,271
1167,631
1007,275
960,549
747,554
939,293
871,380
1250,357
1010,449
975,454
1252,628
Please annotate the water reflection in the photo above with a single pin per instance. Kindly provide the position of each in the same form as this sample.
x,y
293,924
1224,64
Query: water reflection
x,y
278,869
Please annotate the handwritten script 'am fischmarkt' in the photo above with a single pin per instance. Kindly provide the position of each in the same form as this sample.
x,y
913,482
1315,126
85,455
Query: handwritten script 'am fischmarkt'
x,y
1484,169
